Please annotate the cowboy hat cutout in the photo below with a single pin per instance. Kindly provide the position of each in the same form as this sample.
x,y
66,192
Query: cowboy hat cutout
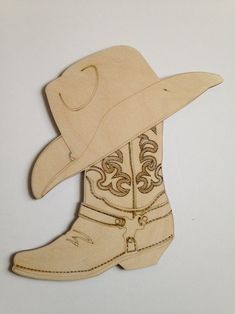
x,y
110,108
102,102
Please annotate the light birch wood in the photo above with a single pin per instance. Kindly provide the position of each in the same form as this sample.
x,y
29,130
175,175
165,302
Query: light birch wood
x,y
110,108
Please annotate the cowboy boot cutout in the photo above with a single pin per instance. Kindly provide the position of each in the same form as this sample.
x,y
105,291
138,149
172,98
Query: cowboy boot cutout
x,y
110,108
125,218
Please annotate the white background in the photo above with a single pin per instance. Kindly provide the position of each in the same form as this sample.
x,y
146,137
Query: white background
x,y
39,39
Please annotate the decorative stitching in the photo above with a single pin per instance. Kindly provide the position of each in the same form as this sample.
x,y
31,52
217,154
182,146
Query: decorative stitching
x,y
95,267
71,271
157,243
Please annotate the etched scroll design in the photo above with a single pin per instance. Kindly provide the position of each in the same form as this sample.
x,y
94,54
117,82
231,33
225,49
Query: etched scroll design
x,y
150,175
112,177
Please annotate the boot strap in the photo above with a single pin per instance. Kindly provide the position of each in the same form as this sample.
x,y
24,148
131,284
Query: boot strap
x,y
142,218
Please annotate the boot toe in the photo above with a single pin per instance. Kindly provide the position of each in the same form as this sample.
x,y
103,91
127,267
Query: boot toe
x,y
36,263
24,263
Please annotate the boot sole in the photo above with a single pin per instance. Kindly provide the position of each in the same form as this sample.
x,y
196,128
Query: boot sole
x,y
144,258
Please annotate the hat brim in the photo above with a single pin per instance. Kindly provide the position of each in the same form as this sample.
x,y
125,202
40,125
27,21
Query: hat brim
x,y
126,120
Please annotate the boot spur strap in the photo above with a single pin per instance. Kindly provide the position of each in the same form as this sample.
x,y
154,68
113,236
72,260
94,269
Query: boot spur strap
x,y
131,223
100,216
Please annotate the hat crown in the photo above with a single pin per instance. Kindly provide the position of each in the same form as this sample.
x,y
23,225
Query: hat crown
x,y
89,88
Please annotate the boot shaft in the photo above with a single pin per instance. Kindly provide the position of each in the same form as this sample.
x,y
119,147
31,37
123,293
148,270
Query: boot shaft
x,y
129,179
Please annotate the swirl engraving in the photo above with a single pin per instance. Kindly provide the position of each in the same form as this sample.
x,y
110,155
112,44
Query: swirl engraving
x,y
112,177
150,175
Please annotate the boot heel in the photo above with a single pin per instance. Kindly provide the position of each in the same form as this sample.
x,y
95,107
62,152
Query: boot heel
x,y
146,258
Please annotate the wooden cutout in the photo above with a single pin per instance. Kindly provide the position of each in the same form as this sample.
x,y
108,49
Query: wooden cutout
x,y
110,108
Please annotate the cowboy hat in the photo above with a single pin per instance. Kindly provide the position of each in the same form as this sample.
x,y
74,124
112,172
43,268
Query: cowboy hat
x,y
102,102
